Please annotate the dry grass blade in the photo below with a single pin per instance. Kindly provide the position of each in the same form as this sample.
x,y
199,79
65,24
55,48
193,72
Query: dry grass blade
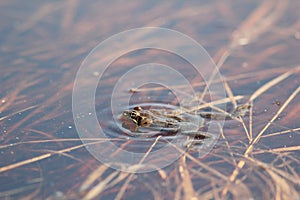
x,y
221,61
41,157
291,97
93,177
244,34
286,149
5,194
240,191
241,164
267,72
125,185
281,180
41,13
95,191
281,132
202,165
117,180
251,123
259,22
57,140
69,14
187,185
230,94
283,189
213,103
19,111
249,136
155,193
268,85
37,71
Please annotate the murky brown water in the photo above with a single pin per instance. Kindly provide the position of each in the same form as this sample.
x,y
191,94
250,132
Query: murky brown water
x,y
42,47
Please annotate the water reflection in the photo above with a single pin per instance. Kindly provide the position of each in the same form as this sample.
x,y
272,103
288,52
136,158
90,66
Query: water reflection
x,y
43,45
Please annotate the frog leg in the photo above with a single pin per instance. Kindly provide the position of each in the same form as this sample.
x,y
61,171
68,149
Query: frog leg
x,y
196,141
216,116
196,134
239,111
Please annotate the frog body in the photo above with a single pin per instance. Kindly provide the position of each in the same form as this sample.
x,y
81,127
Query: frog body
x,y
161,120
174,121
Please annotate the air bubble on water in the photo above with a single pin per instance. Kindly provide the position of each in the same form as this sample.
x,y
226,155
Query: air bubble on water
x,y
243,41
245,64
96,74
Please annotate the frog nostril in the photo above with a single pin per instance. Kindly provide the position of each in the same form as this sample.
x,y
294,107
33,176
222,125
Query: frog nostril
x,y
145,122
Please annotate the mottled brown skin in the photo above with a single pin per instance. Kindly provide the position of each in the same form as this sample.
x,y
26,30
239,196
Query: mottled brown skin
x,y
154,119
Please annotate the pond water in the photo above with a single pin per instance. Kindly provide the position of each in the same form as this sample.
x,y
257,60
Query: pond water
x,y
51,147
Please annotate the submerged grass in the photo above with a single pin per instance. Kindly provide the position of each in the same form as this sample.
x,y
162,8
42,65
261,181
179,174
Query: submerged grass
x,y
245,164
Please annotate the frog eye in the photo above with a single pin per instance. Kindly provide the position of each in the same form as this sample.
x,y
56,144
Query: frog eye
x,y
134,114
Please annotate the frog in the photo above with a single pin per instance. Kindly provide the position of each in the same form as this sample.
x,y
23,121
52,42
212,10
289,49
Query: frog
x,y
181,121
154,119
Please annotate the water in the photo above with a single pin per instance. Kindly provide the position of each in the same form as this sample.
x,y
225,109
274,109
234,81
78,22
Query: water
x,y
42,47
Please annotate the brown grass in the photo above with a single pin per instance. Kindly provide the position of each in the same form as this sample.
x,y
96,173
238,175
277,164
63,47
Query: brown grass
x,y
257,156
